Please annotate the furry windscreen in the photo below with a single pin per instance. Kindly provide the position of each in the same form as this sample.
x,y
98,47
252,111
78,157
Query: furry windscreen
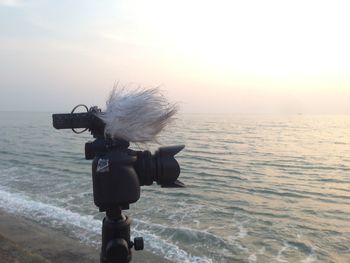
x,y
136,115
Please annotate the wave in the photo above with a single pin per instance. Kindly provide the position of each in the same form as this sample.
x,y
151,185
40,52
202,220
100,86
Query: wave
x,y
85,227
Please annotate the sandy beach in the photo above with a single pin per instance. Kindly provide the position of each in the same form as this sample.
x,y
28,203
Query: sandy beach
x,y
24,241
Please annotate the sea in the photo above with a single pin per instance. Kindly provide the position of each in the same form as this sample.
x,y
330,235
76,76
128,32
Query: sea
x,y
259,188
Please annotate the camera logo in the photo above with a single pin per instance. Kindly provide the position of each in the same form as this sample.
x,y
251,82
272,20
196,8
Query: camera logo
x,y
102,165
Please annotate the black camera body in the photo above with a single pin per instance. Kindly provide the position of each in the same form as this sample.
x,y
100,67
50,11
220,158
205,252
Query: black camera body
x,y
115,181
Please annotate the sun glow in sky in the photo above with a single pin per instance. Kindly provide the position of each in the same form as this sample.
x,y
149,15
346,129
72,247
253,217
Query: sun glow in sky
x,y
213,56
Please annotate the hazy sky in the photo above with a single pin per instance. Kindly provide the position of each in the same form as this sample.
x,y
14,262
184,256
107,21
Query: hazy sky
x,y
212,56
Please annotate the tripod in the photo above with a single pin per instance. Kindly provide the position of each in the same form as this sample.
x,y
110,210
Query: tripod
x,y
116,243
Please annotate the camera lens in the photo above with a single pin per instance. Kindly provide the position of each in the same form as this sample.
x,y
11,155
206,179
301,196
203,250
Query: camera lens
x,y
161,167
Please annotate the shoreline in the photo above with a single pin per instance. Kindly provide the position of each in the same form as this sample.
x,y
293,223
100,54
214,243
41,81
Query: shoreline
x,y
24,241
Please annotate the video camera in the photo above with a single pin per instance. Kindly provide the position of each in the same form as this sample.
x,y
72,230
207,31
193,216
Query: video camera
x,y
118,172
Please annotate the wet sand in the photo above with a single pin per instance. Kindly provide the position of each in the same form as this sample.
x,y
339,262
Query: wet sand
x,y
24,241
